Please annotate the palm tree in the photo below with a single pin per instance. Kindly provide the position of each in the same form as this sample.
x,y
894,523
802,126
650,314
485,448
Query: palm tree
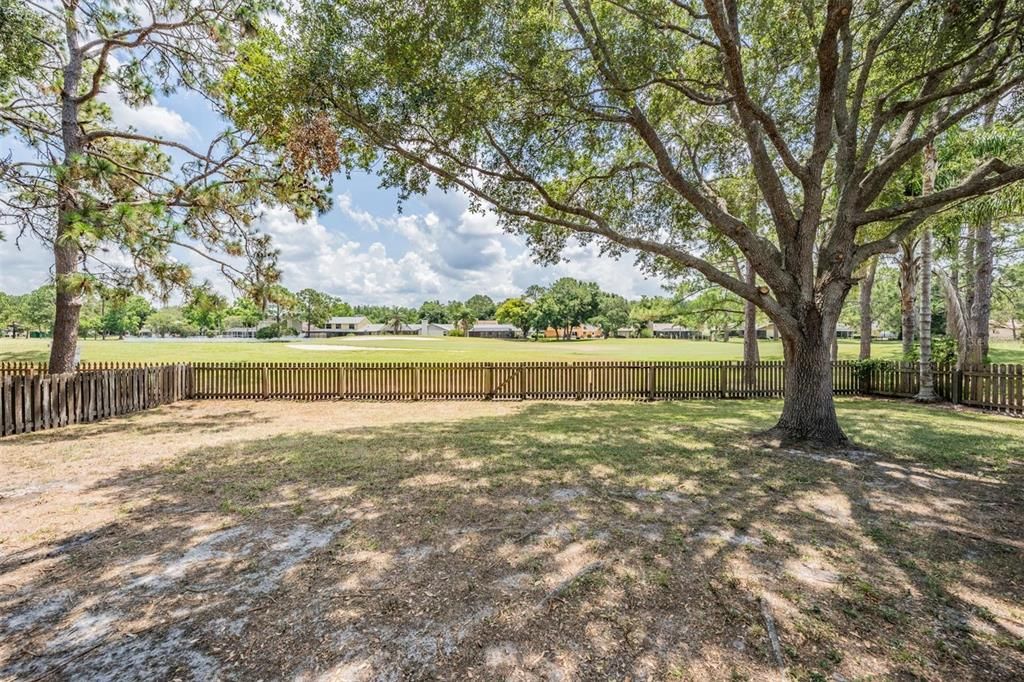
x,y
867,283
927,390
909,263
395,321
463,318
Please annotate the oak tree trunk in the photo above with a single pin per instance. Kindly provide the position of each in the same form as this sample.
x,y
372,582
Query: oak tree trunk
x,y
808,411
866,285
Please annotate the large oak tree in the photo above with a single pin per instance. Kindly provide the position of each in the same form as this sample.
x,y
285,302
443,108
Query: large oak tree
x,y
618,120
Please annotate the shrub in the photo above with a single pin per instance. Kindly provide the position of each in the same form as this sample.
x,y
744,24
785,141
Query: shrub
x,y
456,332
268,332
943,351
275,331
865,367
646,333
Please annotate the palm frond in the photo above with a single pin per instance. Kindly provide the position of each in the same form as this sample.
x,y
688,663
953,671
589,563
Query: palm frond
x,y
956,316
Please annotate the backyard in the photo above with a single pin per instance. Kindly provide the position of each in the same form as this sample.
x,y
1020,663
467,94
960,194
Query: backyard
x,y
248,540
433,349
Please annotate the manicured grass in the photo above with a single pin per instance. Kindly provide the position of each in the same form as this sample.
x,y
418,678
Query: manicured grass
x,y
415,349
477,540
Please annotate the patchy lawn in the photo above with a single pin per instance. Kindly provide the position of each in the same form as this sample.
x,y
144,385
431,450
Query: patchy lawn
x,y
511,541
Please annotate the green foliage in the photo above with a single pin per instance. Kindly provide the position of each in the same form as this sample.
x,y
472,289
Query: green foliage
x,y
651,309
245,312
21,52
612,313
275,331
865,368
518,312
280,303
481,306
123,313
35,310
314,307
567,303
701,306
340,308
462,316
205,309
1008,301
170,322
943,351
385,314
112,199
457,332
433,311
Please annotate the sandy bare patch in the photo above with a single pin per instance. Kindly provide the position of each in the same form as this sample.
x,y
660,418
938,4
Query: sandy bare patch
x,y
398,337
40,473
451,541
342,347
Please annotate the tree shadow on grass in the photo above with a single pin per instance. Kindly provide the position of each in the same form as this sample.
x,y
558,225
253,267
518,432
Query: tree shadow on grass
x,y
176,419
586,541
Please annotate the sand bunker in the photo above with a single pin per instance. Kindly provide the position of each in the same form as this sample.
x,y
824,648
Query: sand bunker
x,y
342,347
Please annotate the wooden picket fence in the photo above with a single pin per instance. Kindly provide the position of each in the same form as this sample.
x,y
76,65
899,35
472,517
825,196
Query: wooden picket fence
x,y
31,399
996,387
499,380
34,400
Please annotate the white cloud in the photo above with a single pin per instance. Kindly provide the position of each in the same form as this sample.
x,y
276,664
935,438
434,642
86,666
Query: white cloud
x,y
150,119
25,268
362,218
445,260
447,253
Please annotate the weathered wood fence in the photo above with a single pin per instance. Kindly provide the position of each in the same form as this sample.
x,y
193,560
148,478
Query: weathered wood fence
x,y
995,387
31,399
35,400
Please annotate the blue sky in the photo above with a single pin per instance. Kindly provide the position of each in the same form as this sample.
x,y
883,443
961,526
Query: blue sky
x,y
363,250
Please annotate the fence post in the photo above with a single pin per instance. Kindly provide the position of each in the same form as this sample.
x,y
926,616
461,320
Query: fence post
x,y
650,382
722,378
490,381
265,382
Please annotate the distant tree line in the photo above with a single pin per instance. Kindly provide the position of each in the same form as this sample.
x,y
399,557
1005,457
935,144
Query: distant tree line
x,y
565,304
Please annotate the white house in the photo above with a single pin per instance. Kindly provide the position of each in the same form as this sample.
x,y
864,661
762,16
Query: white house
x,y
668,330
434,328
494,330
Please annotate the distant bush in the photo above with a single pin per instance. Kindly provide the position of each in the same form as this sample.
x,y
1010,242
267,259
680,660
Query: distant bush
x,y
275,331
269,332
456,332
646,333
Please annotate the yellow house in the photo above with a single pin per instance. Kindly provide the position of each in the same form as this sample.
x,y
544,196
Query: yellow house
x,y
583,331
